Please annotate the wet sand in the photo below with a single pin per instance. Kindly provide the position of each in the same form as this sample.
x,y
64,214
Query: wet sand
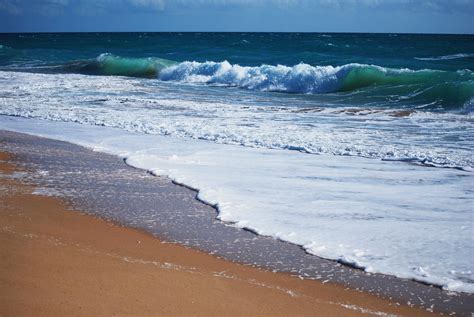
x,y
56,261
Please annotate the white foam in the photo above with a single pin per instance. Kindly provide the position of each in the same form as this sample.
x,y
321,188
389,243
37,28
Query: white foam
x,y
302,78
388,217
238,117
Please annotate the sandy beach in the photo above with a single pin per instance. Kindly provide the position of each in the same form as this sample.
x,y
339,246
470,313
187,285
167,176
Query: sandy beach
x,y
56,261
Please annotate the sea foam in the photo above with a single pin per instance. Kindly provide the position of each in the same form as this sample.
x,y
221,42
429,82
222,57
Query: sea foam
x,y
387,217
236,117
301,78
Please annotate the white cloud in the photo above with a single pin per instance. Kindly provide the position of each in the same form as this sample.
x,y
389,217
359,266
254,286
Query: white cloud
x,y
429,5
154,4
10,6
237,2
52,7
15,7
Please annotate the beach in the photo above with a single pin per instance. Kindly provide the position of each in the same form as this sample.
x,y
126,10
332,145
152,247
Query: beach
x,y
57,261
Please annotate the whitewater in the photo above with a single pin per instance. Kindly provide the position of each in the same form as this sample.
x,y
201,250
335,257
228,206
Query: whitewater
x,y
375,188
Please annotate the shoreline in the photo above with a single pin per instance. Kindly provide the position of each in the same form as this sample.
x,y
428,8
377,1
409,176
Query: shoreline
x,y
60,261
371,281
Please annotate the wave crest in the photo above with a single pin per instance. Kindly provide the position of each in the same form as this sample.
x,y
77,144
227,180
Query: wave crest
x,y
301,78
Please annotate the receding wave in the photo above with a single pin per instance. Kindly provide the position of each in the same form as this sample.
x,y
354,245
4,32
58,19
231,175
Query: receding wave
x,y
445,57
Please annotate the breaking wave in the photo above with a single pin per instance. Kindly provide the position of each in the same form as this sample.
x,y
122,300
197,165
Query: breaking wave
x,y
451,89
448,89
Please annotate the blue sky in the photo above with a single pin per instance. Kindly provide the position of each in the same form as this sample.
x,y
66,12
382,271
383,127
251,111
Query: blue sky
x,y
414,16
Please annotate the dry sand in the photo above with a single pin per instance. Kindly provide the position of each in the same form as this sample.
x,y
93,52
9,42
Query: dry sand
x,y
55,261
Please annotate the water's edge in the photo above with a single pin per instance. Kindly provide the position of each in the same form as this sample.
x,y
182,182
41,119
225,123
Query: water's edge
x,y
192,226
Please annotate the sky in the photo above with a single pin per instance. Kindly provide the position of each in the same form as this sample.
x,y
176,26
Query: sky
x,y
401,16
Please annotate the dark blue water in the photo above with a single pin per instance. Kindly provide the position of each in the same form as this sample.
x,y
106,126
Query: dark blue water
x,y
412,51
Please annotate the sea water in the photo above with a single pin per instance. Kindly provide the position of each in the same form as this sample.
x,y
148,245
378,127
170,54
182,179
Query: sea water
x,y
356,146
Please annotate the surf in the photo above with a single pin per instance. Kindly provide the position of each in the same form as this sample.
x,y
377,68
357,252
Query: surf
x,y
450,89
422,89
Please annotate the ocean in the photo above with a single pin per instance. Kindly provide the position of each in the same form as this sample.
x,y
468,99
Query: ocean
x,y
358,147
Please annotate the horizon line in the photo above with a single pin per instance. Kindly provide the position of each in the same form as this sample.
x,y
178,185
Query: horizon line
x,y
305,32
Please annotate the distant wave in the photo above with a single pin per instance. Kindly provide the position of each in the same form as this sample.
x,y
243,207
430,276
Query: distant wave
x,y
444,57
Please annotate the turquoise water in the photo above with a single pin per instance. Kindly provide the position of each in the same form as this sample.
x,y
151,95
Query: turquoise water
x,y
428,72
